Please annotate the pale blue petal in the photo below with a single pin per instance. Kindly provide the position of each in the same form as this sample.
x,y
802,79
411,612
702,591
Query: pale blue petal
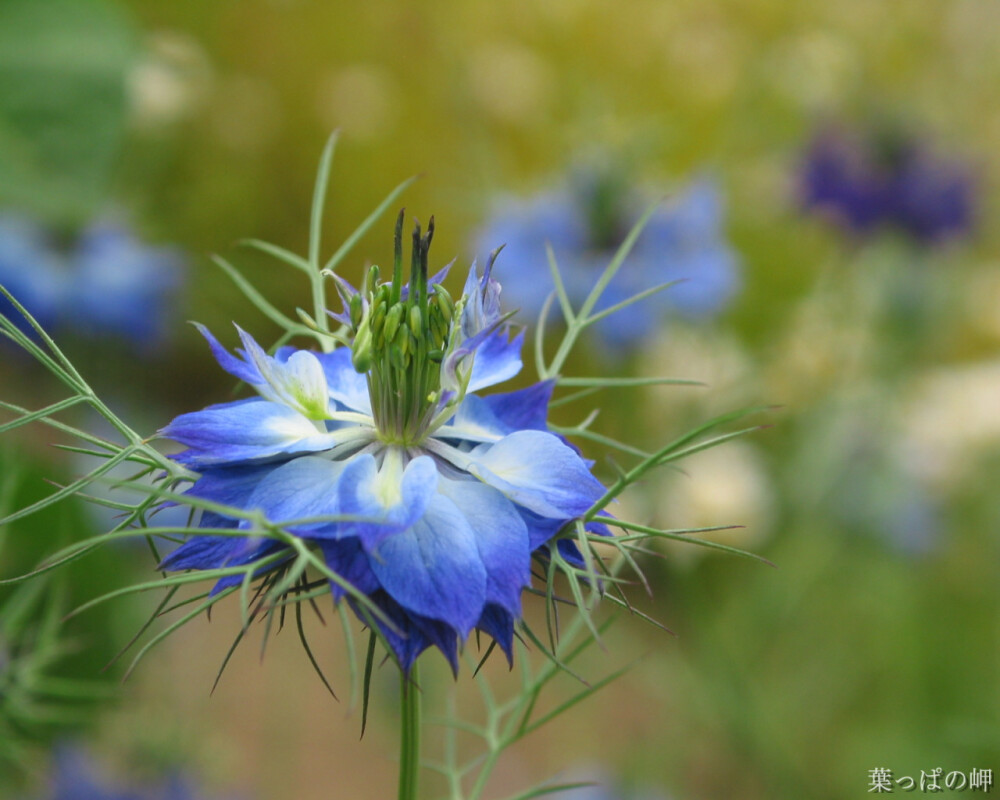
x,y
346,385
394,498
501,537
298,381
537,471
243,430
434,568
304,487
496,360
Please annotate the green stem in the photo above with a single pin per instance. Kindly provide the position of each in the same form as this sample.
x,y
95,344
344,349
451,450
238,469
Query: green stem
x,y
409,736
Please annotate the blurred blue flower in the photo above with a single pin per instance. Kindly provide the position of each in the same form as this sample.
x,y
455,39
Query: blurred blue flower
x,y
105,283
76,777
30,271
604,787
868,182
587,220
120,286
446,494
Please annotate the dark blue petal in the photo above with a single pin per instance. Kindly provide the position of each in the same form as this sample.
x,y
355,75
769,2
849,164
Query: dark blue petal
x,y
413,633
524,409
230,486
499,624
215,552
348,559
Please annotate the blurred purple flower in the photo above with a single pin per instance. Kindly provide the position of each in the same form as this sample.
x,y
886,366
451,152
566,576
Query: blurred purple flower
x,y
585,222
106,283
866,182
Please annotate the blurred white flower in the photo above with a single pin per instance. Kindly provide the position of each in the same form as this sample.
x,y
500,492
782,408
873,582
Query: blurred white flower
x,y
726,485
510,81
360,99
171,80
951,419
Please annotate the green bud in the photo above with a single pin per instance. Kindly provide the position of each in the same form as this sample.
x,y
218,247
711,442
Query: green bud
x,y
396,357
415,321
356,310
361,352
392,319
437,356
440,330
402,338
371,280
444,302
378,316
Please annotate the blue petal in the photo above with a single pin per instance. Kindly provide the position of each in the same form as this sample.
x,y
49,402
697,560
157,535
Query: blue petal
x,y
230,486
243,430
236,367
214,552
489,419
346,385
433,569
501,538
525,409
540,529
499,624
304,487
496,360
413,633
539,472
296,380
348,559
393,498
206,552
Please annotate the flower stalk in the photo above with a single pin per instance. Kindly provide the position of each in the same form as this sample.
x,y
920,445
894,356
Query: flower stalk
x,y
409,736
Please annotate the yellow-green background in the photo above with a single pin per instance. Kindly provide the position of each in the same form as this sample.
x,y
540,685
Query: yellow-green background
x,y
783,683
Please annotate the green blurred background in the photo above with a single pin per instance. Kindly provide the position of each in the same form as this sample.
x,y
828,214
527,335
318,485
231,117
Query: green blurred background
x,y
875,641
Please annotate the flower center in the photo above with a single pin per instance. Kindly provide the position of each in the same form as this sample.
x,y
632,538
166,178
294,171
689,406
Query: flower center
x,y
401,336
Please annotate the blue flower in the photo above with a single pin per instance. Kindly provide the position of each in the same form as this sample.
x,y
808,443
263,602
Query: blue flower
x,y
76,777
585,223
106,283
866,184
120,286
444,493
30,271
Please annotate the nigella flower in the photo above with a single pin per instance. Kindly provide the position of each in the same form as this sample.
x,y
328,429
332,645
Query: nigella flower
x,y
435,497
868,183
587,220
104,283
